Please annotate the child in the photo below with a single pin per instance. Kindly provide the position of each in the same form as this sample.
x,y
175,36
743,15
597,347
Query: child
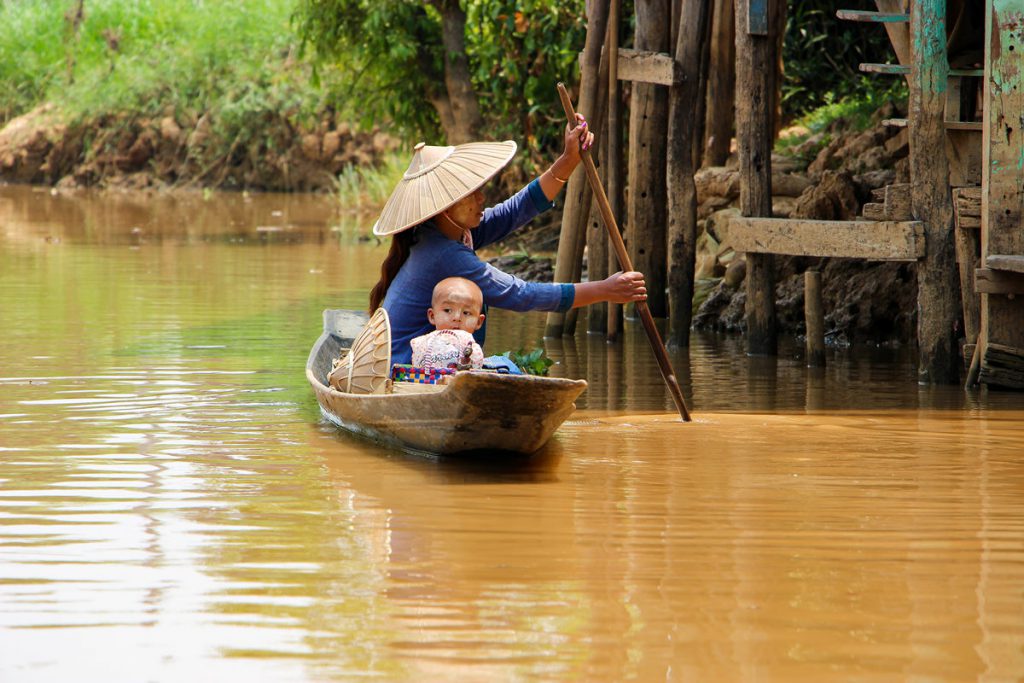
x,y
455,310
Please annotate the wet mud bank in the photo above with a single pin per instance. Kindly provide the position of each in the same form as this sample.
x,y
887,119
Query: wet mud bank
x,y
171,151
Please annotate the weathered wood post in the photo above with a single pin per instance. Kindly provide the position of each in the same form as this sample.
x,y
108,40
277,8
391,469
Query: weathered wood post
x,y
1002,193
755,127
721,84
613,161
577,194
938,291
684,107
648,120
814,319
597,244
593,227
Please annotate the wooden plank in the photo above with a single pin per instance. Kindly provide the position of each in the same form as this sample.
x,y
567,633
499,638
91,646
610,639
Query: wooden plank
x,y
1009,263
967,208
644,66
987,281
873,17
938,286
755,132
900,70
1003,365
873,240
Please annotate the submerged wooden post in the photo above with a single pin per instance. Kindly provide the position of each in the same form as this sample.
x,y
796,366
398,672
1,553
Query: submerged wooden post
x,y
613,161
577,194
684,106
647,158
814,319
755,75
938,295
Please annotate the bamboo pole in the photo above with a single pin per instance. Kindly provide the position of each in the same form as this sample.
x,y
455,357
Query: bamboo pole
x,y
664,364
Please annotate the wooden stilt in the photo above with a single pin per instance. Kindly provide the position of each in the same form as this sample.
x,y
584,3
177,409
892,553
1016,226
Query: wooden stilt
x,y
721,84
613,161
647,160
684,107
755,60
577,194
937,294
814,319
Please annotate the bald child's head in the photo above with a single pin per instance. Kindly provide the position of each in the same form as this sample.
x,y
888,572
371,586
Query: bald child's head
x,y
456,305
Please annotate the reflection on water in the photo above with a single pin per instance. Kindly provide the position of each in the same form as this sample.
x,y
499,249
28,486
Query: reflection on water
x,y
165,481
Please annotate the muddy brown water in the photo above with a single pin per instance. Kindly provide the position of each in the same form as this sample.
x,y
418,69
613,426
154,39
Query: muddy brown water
x,y
172,506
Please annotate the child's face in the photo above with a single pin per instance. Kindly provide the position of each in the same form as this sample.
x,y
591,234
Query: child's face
x,y
456,309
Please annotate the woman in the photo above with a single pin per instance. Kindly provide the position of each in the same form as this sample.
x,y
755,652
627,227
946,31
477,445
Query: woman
x,y
436,219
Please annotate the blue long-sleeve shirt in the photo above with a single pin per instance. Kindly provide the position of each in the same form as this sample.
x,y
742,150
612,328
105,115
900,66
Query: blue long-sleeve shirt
x,y
434,257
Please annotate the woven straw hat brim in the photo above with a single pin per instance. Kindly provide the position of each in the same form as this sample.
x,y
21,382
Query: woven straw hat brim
x,y
423,196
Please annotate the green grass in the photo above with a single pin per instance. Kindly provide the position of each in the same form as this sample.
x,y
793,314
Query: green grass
x,y
366,188
233,59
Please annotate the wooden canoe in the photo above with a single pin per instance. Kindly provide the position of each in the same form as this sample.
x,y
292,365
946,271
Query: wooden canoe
x,y
475,411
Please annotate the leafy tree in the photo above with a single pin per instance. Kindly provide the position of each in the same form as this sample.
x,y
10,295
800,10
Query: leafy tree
x,y
469,69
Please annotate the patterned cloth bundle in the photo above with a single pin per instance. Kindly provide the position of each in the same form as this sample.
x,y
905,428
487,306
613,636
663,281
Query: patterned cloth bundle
x,y
411,373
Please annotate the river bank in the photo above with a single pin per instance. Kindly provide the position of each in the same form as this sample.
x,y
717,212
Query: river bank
x,y
830,174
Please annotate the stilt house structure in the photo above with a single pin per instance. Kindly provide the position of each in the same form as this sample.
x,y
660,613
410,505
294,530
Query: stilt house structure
x,y
960,217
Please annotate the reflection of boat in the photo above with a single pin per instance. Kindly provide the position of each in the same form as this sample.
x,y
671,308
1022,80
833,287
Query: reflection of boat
x,y
474,411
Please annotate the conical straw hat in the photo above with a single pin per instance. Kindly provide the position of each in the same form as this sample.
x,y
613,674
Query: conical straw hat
x,y
366,368
437,178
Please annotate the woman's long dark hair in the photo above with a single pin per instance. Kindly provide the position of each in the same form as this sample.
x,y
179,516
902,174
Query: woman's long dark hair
x,y
401,245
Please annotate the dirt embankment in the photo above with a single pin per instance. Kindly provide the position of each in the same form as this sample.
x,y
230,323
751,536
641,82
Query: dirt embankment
x,y
40,147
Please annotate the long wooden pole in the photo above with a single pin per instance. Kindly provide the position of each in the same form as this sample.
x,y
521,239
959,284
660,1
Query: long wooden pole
x,y
624,262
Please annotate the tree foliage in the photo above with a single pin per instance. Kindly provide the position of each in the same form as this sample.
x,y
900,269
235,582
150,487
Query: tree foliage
x,y
391,56
821,54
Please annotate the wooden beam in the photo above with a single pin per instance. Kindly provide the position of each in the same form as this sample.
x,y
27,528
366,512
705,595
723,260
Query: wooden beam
x,y
873,240
987,281
649,67
1008,263
873,17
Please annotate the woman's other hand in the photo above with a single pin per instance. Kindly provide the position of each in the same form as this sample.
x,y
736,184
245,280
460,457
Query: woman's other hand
x,y
624,288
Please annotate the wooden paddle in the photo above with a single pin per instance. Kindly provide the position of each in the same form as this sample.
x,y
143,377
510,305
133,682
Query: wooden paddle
x,y
624,262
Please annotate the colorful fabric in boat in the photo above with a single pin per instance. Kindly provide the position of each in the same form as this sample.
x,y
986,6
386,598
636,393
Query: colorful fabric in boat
x,y
409,373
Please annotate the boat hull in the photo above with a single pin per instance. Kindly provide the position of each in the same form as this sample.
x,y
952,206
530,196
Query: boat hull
x,y
475,411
